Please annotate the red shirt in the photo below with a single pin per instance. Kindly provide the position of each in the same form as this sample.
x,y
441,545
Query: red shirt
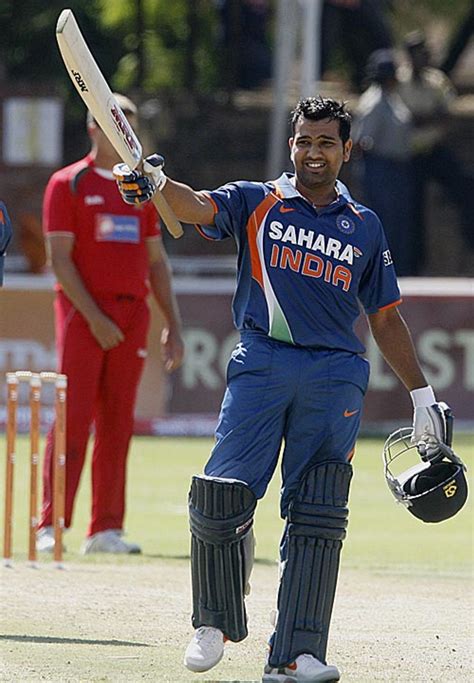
x,y
110,236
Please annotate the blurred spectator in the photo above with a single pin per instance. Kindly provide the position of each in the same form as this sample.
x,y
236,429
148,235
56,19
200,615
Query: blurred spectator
x,y
428,93
459,41
382,132
357,27
244,41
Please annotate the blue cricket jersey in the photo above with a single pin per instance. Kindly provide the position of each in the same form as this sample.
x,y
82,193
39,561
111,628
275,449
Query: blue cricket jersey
x,y
303,273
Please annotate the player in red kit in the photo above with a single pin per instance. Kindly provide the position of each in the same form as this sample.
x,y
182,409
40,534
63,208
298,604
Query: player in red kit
x,y
106,256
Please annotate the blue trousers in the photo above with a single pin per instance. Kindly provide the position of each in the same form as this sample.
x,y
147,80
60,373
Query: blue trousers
x,y
307,400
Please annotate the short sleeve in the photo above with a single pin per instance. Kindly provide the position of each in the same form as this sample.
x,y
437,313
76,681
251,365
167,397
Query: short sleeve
x,y
58,207
379,287
231,212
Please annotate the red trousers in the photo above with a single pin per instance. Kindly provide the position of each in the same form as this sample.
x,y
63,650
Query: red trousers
x,y
102,388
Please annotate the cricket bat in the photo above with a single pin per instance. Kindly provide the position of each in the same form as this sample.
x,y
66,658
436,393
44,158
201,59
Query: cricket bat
x,y
99,99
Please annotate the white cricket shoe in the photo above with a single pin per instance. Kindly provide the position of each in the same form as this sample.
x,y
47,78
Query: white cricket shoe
x,y
109,541
205,649
305,669
45,540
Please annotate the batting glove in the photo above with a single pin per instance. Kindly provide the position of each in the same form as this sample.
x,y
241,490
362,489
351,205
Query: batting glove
x,y
153,165
432,422
136,187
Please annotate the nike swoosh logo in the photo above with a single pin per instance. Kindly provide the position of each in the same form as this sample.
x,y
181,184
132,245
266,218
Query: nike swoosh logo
x,y
285,209
350,413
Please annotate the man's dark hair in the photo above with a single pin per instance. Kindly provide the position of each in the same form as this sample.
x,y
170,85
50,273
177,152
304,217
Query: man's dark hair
x,y
317,108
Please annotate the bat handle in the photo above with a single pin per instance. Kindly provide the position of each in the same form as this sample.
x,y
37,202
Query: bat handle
x,y
173,226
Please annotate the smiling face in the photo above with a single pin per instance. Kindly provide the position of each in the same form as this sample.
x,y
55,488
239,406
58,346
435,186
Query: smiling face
x,y
317,153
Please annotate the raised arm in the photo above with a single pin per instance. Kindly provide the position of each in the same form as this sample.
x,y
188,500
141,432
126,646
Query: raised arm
x,y
189,205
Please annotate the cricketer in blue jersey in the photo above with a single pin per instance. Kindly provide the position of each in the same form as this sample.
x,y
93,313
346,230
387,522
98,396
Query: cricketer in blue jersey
x,y
310,259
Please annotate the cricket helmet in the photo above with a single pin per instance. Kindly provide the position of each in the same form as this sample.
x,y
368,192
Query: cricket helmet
x,y
435,488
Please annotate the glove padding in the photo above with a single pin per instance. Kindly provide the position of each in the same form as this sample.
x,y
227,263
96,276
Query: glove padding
x,y
139,188
432,424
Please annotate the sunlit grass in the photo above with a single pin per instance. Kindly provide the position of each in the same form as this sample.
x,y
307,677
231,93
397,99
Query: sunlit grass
x,y
382,535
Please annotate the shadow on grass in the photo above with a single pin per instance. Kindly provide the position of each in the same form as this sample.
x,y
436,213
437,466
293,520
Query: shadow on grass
x,y
70,641
164,556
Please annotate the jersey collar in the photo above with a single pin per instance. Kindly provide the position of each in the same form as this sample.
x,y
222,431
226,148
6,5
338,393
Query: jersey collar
x,y
285,189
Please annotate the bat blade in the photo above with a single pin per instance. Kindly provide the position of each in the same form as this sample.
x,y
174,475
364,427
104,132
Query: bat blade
x,y
101,102
94,89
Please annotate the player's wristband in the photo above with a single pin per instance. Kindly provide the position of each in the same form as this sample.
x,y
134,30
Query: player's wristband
x,y
423,397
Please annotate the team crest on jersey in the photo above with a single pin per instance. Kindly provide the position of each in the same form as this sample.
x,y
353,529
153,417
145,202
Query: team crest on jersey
x,y
345,225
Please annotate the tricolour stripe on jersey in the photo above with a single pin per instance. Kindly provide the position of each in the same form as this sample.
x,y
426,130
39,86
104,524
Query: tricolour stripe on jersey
x,y
255,222
278,325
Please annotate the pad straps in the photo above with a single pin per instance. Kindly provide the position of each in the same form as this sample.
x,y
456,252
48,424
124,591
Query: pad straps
x,y
316,527
221,519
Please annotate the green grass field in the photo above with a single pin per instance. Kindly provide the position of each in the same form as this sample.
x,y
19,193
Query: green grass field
x,y
127,618
382,535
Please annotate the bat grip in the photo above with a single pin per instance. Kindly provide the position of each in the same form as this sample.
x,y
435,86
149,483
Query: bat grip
x,y
173,226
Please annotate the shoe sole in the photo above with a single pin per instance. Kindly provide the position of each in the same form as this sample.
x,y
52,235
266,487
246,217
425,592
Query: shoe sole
x,y
199,668
284,678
